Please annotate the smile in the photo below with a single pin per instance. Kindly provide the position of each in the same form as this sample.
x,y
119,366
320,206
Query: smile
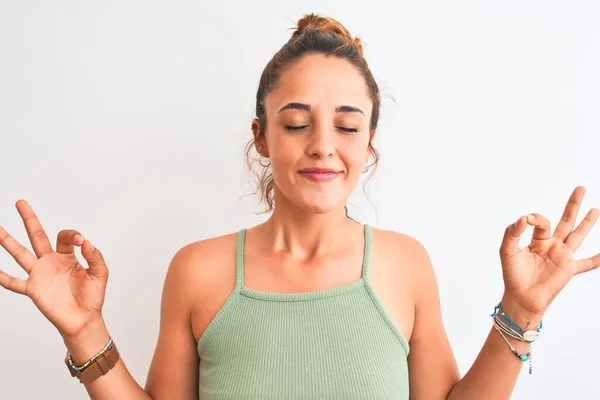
x,y
320,175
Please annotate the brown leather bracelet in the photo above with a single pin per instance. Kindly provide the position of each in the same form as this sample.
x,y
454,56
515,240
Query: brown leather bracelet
x,y
100,366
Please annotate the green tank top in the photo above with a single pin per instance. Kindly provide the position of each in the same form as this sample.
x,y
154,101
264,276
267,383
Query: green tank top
x,y
337,343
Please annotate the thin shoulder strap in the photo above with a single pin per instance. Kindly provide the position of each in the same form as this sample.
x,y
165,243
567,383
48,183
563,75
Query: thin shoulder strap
x,y
239,259
367,251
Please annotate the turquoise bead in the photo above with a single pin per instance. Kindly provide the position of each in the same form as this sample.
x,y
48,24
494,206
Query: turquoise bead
x,y
524,357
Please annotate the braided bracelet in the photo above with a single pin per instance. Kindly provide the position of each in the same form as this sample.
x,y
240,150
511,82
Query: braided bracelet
x,y
504,325
531,334
522,357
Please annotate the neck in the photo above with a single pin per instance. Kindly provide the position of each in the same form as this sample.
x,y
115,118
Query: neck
x,y
304,234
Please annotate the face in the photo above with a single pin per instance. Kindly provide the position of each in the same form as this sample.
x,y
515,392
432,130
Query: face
x,y
317,132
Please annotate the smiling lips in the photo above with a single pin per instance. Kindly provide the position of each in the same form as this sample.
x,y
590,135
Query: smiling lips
x,y
320,174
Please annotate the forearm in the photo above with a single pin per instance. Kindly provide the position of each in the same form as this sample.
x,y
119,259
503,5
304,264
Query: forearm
x,y
118,382
495,371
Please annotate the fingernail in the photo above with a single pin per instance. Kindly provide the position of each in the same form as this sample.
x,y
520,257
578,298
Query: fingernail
x,y
78,238
92,246
531,217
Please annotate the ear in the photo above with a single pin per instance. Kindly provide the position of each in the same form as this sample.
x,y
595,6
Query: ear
x,y
259,142
371,137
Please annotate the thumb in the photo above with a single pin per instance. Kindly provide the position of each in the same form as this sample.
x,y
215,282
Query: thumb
x,y
95,260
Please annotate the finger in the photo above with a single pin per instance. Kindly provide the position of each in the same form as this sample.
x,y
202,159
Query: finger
x,y
38,238
576,237
95,260
541,226
22,256
588,264
512,235
13,284
67,239
567,221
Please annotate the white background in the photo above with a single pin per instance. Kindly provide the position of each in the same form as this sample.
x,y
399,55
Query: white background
x,y
126,120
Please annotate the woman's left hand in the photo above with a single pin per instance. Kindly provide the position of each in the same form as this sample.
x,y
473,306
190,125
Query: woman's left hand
x,y
535,275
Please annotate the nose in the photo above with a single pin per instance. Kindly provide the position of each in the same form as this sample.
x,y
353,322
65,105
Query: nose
x,y
321,143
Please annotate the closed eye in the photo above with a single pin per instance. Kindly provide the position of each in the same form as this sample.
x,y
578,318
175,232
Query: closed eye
x,y
348,130
295,128
299,128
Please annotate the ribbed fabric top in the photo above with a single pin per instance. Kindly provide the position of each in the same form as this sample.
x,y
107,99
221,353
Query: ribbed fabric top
x,y
337,343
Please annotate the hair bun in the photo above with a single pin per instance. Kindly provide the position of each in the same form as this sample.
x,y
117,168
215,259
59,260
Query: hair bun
x,y
327,25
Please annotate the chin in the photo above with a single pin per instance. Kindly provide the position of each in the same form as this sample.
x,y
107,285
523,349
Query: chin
x,y
321,206
311,201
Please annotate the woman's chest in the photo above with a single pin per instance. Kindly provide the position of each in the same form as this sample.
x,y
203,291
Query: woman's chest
x,y
388,280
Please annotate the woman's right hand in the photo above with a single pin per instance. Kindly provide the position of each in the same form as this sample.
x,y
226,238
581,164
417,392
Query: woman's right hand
x,y
68,295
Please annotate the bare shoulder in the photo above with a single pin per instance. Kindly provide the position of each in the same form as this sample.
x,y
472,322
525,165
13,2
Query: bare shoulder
x,y
199,265
192,271
401,246
204,275
403,258
397,264
410,292
201,255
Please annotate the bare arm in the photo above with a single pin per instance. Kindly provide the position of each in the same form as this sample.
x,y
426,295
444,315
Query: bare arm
x,y
174,370
71,296
118,382
433,370
533,276
432,367
496,369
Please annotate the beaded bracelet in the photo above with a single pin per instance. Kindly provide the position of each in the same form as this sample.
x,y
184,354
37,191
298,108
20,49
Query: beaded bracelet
x,y
91,360
504,325
522,357
498,309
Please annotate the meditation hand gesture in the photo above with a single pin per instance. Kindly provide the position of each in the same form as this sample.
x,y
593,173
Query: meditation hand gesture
x,y
534,275
68,295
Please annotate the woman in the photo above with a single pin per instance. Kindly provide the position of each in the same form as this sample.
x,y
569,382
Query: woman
x,y
309,304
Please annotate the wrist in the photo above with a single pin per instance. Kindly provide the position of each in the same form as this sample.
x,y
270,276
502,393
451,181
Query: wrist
x,y
525,318
88,342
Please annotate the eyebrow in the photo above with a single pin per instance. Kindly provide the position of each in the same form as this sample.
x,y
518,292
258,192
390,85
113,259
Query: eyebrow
x,y
306,107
